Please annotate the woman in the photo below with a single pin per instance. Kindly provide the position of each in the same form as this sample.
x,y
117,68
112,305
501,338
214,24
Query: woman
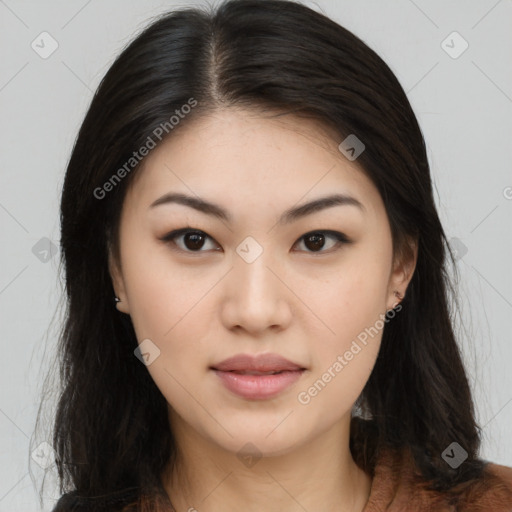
x,y
258,300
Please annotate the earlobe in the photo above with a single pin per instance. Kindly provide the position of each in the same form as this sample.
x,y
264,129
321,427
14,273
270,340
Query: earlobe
x,y
122,307
120,299
402,273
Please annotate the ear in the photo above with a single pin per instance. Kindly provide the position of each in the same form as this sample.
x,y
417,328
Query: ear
x,y
403,270
118,284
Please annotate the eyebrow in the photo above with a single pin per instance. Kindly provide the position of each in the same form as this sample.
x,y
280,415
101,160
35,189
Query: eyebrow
x,y
287,217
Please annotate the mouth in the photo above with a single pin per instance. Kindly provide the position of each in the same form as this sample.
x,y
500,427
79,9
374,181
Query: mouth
x,y
259,377
255,385
260,364
252,372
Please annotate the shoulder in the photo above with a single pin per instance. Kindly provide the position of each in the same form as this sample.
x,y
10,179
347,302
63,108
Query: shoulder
x,y
493,491
398,485
504,473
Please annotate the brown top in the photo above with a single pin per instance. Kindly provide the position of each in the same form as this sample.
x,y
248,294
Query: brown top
x,y
396,487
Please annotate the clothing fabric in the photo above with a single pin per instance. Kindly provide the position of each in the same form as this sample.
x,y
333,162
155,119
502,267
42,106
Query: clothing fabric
x,y
396,487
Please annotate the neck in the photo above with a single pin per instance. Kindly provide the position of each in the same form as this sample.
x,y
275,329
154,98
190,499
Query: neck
x,y
207,478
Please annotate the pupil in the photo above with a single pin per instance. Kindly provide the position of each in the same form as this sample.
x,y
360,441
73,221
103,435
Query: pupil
x,y
318,241
194,239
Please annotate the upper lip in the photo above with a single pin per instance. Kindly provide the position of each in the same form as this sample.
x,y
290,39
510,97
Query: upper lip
x,y
258,363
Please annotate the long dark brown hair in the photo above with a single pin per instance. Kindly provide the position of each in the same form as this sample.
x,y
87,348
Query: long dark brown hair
x,y
111,433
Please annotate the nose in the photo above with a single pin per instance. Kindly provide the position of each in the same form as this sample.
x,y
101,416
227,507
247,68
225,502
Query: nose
x,y
256,297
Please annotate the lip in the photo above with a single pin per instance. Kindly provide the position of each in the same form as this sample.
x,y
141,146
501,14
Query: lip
x,y
251,385
259,363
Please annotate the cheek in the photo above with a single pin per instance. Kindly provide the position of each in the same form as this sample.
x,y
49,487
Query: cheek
x,y
344,356
353,303
167,306
166,309
158,294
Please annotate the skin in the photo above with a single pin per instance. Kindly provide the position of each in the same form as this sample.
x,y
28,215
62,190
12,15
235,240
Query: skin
x,y
307,303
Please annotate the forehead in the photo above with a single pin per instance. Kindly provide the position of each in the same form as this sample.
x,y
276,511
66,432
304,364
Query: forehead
x,y
247,157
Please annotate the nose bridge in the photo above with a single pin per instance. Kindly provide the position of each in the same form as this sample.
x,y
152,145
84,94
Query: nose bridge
x,y
256,294
252,269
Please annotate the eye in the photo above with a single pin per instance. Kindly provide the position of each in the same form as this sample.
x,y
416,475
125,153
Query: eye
x,y
315,240
193,240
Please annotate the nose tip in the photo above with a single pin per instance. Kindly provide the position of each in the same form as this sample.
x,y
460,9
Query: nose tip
x,y
258,299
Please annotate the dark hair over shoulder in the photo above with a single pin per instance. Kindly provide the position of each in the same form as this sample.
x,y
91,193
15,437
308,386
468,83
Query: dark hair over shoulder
x,y
111,429
73,502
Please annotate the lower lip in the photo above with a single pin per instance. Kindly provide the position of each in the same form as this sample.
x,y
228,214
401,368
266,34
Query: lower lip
x,y
258,387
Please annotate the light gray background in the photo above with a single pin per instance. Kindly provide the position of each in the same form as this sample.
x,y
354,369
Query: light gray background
x,y
464,106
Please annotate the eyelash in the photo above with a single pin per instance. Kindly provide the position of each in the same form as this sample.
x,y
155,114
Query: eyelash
x,y
341,239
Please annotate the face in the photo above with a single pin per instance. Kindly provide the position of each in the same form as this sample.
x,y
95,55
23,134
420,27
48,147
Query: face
x,y
248,277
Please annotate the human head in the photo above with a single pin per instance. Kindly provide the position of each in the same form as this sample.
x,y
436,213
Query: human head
x,y
271,56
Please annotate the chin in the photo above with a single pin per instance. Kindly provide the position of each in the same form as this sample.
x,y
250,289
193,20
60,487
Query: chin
x,y
263,439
